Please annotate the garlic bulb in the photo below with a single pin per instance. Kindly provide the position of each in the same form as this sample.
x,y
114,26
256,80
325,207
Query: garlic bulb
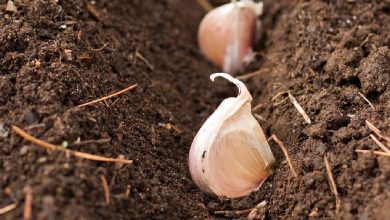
x,y
230,156
227,33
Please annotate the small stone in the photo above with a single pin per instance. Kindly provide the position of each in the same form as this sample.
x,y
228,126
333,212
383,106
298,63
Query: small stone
x,y
3,132
23,150
42,160
308,179
68,55
65,144
258,212
119,165
11,7
31,116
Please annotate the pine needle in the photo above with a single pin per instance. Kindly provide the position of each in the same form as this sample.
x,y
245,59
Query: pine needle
x,y
299,108
377,142
380,153
332,182
108,97
8,208
105,189
205,4
294,102
281,145
27,210
368,101
252,74
377,131
257,107
79,154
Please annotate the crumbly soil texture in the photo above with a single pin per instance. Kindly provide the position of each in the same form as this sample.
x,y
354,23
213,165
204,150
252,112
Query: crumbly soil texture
x,y
333,56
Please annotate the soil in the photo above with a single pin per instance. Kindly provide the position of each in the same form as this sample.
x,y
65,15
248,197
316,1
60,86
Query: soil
x,y
55,55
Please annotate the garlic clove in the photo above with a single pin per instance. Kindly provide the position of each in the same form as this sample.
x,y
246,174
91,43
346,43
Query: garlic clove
x,y
230,156
227,33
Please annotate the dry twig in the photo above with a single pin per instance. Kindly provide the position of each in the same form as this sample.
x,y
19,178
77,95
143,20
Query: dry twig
x,y
259,117
368,36
377,131
257,107
146,61
232,214
79,154
252,74
332,182
8,208
100,141
281,145
382,146
368,101
294,102
99,49
27,211
107,97
170,126
105,189
278,94
94,12
299,108
380,153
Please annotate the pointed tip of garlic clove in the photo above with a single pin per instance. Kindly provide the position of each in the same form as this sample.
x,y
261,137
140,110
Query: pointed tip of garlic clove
x,y
242,90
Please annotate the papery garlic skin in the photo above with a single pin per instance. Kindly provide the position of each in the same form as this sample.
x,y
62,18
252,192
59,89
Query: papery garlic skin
x,y
227,33
230,156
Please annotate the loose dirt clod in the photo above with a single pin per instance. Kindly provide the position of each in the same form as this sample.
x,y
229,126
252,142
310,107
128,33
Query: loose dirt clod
x,y
108,97
49,146
11,7
332,182
281,145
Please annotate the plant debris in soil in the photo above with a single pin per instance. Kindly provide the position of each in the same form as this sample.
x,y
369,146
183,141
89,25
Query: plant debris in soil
x,y
332,56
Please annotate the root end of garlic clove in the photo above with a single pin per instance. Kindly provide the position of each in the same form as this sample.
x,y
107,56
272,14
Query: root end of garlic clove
x,y
227,33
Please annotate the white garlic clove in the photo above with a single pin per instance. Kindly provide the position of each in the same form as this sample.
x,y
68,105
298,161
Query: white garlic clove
x,y
230,156
227,33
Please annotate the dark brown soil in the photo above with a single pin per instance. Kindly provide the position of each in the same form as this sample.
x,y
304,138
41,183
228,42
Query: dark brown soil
x,y
55,55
